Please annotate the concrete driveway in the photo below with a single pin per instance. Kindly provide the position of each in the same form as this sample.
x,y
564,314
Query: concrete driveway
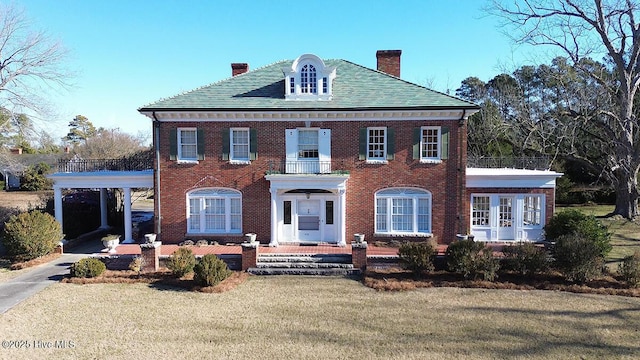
x,y
14,291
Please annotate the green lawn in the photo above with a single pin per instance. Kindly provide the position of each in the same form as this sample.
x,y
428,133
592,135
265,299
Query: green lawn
x,y
321,318
625,234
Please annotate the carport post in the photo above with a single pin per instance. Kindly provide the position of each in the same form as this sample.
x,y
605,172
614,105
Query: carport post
x,y
127,216
104,224
57,203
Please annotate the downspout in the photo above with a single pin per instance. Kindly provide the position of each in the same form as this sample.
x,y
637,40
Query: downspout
x,y
462,173
156,195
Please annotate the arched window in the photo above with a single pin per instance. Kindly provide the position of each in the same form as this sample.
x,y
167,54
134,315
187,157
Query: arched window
x,y
403,211
214,211
308,79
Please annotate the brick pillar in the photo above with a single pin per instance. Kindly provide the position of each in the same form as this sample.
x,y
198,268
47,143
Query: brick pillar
x,y
150,256
249,255
359,255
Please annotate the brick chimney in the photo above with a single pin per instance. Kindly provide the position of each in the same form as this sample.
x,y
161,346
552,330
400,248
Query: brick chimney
x,y
389,61
239,68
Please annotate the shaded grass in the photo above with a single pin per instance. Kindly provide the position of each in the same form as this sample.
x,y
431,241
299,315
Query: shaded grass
x,y
322,318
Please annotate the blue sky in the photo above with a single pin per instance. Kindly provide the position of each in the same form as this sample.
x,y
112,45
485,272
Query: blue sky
x,y
127,53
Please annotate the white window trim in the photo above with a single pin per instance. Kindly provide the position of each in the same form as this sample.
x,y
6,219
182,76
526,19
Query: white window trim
x,y
179,158
382,159
414,197
227,195
438,158
239,161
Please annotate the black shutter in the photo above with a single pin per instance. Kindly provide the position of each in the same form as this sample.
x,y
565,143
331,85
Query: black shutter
x,y
173,144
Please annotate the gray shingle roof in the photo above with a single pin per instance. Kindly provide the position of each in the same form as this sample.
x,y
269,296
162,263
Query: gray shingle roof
x,y
355,87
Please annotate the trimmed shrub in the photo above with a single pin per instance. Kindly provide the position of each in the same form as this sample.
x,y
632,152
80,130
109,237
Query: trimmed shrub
x,y
579,258
629,269
587,226
29,235
210,271
87,268
181,262
472,259
525,259
417,257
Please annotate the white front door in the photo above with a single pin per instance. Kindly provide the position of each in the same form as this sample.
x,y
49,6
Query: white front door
x,y
309,218
506,218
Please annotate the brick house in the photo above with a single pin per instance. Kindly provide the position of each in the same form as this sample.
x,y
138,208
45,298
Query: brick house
x,y
314,151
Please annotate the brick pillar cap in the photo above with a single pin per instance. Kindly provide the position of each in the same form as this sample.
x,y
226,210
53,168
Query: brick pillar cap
x,y
153,245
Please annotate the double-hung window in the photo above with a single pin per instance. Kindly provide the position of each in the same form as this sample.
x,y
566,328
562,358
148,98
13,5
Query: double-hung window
x,y
376,144
307,144
214,211
187,144
239,144
403,211
430,143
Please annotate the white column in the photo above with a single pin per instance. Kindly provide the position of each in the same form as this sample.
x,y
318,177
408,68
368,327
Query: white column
x,y
127,216
57,203
104,224
342,239
274,218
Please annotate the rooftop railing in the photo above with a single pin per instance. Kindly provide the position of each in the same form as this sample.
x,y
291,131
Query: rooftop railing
x,y
530,163
82,165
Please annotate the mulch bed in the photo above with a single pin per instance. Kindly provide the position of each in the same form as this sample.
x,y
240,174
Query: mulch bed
x,y
398,279
162,278
35,262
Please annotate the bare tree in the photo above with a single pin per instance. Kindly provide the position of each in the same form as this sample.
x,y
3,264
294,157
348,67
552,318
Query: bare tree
x,y
110,144
584,29
30,63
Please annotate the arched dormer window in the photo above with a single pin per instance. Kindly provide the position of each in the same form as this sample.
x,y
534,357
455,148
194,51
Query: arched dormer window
x,y
309,78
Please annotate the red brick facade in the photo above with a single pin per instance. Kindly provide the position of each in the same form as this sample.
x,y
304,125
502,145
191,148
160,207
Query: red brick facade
x,y
445,181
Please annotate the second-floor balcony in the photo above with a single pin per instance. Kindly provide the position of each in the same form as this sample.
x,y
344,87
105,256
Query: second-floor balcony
x,y
302,167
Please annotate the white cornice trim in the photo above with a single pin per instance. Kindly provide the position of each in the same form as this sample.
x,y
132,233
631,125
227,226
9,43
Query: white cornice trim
x,y
326,115
103,179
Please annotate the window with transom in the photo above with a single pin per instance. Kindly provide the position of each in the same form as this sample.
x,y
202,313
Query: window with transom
x,y
214,210
403,211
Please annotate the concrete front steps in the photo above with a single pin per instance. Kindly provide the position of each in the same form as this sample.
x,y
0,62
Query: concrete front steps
x,y
304,264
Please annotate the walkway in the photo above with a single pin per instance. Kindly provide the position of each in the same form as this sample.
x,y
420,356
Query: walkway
x,y
167,250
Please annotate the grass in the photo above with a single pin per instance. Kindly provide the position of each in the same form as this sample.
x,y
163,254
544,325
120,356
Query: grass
x,y
625,233
321,318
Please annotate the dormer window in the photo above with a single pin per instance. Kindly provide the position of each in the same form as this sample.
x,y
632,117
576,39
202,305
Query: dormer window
x,y
309,79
